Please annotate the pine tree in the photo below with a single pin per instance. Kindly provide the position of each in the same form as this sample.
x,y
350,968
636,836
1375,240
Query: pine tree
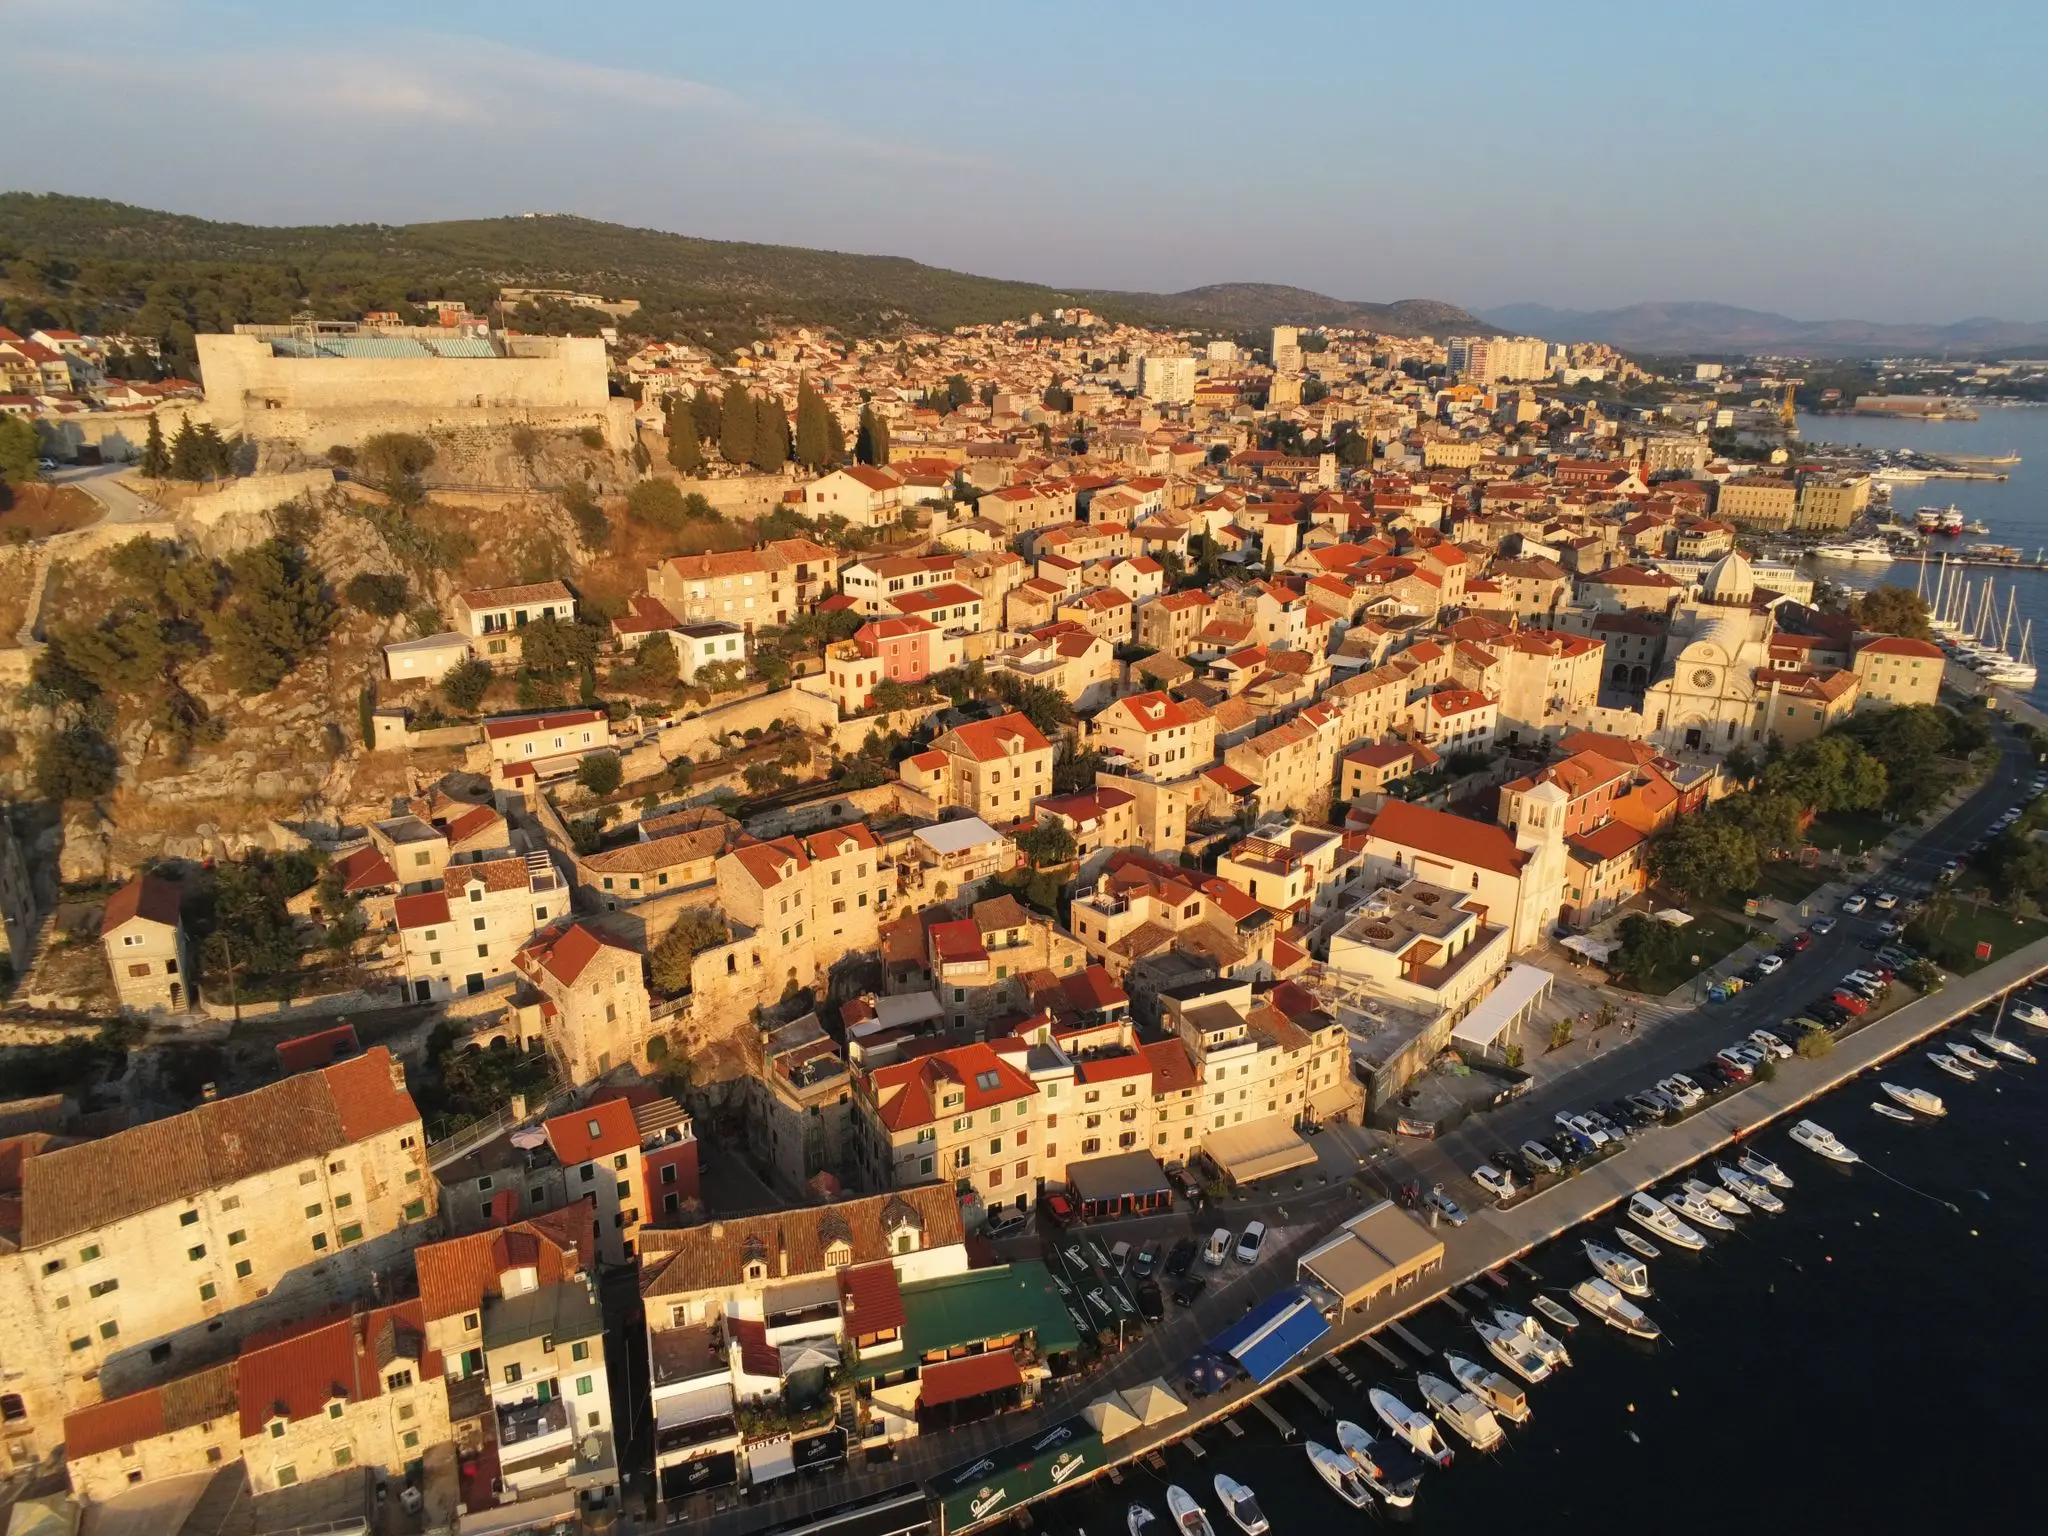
x,y
685,453
156,458
813,422
187,452
704,412
872,444
736,424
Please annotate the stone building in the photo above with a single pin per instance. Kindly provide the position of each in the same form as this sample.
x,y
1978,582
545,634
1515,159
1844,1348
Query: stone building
x,y
147,951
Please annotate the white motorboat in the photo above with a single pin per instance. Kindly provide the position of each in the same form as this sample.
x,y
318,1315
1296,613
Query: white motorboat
x,y
1137,1518
1189,1518
1757,1166
1637,1244
1856,552
1557,1312
1951,1066
1819,1139
1414,1428
1241,1504
1607,1303
1340,1473
1545,1341
1513,1351
1720,1199
1752,1189
1699,1211
1917,1099
1463,1411
1973,1056
1891,1111
1647,1211
1618,1269
2030,1014
2004,1047
1491,1388
1388,1467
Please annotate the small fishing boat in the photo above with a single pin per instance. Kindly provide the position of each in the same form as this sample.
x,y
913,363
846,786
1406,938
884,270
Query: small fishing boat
x,y
1819,1139
1189,1518
2010,1050
1720,1199
1916,1099
1413,1427
2033,1015
1951,1066
1698,1210
1891,1111
1137,1518
1339,1472
1388,1467
1545,1341
1646,1210
1619,1270
1491,1388
1462,1410
1973,1056
1556,1311
1513,1351
1241,1504
1757,1166
1607,1303
1753,1190
1636,1243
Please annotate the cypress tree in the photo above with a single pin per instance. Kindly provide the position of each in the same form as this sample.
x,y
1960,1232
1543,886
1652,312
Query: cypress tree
x,y
156,458
813,445
704,412
771,436
835,441
736,424
872,444
685,453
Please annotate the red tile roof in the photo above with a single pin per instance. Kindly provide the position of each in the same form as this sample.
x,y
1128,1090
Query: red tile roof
x,y
963,1065
597,1130
990,741
953,1381
1899,645
365,870
522,725
870,1298
455,1276
562,952
426,910
320,1049
1457,838
146,896
298,1375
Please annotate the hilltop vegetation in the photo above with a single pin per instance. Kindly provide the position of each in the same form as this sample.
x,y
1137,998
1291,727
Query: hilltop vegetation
x,y
98,266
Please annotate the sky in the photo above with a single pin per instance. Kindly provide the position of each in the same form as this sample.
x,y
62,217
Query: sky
x,y
1823,159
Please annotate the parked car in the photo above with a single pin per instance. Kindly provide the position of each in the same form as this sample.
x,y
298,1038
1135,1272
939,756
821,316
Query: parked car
x,y
1151,1305
1854,904
1182,1259
1886,900
1190,1287
1495,1182
1801,942
1735,1062
1852,1002
1770,1044
1218,1249
1059,1208
1648,1104
1951,868
1120,1257
1770,965
1003,1221
1146,1261
1821,927
1682,1088
1542,1157
1447,1207
1583,1127
1249,1245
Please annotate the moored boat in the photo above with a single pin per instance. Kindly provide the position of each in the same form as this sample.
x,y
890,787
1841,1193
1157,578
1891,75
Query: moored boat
x,y
1637,1244
1916,1099
1546,1343
1137,1518
1719,1198
1752,1189
1189,1518
1699,1211
1414,1428
2030,1014
1973,1056
1513,1351
2010,1050
1951,1066
1556,1311
1619,1269
1891,1111
1339,1472
1491,1388
1387,1466
1757,1166
1607,1303
1241,1504
1647,1211
1819,1139
1464,1412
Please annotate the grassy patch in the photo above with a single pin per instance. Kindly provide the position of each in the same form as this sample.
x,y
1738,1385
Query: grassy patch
x,y
1787,880
1950,938
1712,937
1849,831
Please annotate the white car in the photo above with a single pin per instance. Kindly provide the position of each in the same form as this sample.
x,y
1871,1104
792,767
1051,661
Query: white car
x,y
1770,1044
1853,904
1770,965
1683,1089
1253,1240
1217,1249
1583,1126
1541,1156
1886,900
1120,1257
1494,1181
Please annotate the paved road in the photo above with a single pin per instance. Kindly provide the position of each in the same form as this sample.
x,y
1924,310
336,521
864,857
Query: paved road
x,y
98,481
1684,1041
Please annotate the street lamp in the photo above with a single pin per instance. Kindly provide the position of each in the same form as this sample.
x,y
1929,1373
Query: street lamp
x,y
1698,981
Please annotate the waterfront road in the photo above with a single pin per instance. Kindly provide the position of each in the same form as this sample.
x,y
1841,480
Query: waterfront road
x,y
1687,1039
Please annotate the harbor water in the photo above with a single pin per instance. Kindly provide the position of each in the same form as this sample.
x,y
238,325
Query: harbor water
x,y
2015,510
1863,1361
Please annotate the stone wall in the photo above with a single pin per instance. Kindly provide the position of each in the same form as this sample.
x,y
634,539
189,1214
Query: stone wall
x,y
237,516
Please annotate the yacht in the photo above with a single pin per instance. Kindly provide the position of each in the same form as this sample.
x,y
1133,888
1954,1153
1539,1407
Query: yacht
x,y
2004,1047
1719,1198
1637,1244
1752,1189
1697,1210
1513,1351
1189,1519
1388,1467
1460,1409
1556,1311
2033,1015
1856,552
1757,1166
1973,1056
1891,1111
1491,1388
1916,1099
1951,1066
1340,1473
1412,1427
1818,1138
1241,1504
1546,1342
1137,1518
1618,1269
1647,1211
1607,1303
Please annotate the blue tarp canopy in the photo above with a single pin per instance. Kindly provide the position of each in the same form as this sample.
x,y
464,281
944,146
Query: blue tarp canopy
x,y
1272,1333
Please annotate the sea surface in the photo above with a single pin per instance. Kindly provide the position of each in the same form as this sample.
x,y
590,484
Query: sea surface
x,y
2015,510
1870,1360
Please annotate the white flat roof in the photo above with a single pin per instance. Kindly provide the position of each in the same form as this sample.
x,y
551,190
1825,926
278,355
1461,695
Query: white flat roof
x,y
958,836
1501,1007
445,640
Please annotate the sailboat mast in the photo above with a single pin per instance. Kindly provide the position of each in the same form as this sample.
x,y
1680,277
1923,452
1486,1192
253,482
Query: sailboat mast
x,y
2012,596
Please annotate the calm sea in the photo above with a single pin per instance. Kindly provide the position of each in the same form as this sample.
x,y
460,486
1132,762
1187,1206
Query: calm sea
x,y
1871,1359
2015,510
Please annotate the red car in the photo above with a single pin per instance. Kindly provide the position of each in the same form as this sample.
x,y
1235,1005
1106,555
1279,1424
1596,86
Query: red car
x,y
1851,1001
1060,1209
1802,942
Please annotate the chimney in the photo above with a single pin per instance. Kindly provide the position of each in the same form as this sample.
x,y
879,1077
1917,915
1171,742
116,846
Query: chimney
x,y
781,1254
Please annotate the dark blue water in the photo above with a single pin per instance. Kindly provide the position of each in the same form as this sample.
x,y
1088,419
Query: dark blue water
x,y
2015,510
1872,1359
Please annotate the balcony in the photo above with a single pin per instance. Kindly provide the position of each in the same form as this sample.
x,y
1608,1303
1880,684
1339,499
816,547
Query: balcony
x,y
527,1426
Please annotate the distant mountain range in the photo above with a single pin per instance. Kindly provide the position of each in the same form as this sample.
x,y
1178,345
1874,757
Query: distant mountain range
x,y
1696,327
91,263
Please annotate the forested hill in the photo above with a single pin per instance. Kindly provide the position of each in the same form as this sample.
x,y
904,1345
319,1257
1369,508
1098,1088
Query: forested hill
x,y
92,265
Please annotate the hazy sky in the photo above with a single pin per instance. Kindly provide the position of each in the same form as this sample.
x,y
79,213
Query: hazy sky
x,y
1824,159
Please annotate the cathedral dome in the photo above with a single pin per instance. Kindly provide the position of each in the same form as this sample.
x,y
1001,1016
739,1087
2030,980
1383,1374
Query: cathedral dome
x,y
1730,581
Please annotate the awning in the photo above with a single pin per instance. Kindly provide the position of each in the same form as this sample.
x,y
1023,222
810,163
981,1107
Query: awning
x,y
1152,1402
767,1462
953,1381
1504,1007
1596,950
823,1450
1674,917
699,1476
1273,1333
693,1407
1117,1176
1111,1417
809,1355
1258,1149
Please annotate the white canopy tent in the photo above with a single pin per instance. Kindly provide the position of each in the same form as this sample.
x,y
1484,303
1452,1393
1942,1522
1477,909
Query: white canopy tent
x,y
1511,1001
